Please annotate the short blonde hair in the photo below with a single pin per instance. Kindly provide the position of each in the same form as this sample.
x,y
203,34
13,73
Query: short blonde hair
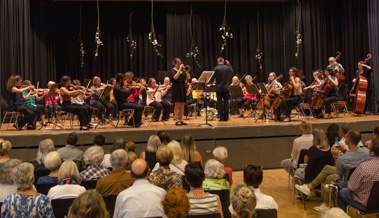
x,y
50,83
52,160
220,154
243,200
319,138
94,80
131,158
88,204
5,147
214,169
164,155
45,146
306,127
6,169
69,170
153,143
93,156
176,151
23,175
130,146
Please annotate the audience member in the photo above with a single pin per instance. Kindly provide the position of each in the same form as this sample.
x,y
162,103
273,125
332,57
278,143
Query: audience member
x,y
164,177
131,158
5,151
357,190
164,137
131,147
118,180
119,143
177,164
201,202
7,186
89,204
190,154
214,176
69,152
176,203
243,201
375,134
303,142
45,146
150,154
344,129
142,199
68,184
221,154
25,202
99,140
332,132
93,157
52,162
335,212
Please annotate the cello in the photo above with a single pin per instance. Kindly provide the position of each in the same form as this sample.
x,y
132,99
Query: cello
x,y
265,102
361,88
340,77
286,91
320,95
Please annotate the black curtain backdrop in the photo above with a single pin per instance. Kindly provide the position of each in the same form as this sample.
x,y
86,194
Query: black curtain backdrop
x,y
40,38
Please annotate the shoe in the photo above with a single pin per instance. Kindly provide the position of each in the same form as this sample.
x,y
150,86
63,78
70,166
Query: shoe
x,y
17,128
84,128
328,117
187,118
138,125
165,120
322,208
183,123
304,189
178,123
331,188
287,120
44,124
31,128
240,116
155,120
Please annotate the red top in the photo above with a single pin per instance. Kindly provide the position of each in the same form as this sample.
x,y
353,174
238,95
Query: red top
x,y
66,98
229,171
133,95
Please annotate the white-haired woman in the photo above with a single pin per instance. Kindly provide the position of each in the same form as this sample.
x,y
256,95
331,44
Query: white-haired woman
x,y
177,164
93,157
221,154
68,185
7,185
25,202
214,173
243,200
5,151
52,162
45,146
150,154
190,154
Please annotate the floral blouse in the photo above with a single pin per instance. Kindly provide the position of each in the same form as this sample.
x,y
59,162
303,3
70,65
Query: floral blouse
x,y
210,184
166,178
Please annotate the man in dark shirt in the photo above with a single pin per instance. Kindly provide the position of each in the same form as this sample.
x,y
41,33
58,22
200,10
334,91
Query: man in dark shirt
x,y
222,72
121,97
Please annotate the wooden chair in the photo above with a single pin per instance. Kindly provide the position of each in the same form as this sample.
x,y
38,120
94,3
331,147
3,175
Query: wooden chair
x,y
61,206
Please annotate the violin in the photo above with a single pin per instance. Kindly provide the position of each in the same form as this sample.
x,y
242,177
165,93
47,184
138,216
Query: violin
x,y
132,85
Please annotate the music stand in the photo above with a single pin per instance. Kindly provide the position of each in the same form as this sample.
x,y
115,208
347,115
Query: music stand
x,y
87,83
264,92
236,91
251,89
204,79
106,91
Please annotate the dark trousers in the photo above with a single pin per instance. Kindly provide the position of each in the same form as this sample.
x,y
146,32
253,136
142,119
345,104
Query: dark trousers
x,y
287,105
102,106
52,108
234,104
89,110
328,103
223,105
41,110
115,109
30,115
138,110
158,106
245,103
78,110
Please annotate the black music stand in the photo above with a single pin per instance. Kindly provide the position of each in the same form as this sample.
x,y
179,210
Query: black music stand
x,y
204,79
251,89
106,92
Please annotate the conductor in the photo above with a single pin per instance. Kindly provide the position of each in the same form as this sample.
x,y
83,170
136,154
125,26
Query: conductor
x,y
222,72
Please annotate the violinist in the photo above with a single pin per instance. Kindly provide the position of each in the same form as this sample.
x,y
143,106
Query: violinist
x,y
273,82
154,99
80,100
294,98
234,99
67,92
334,65
366,71
168,96
15,103
317,82
98,100
248,99
51,103
29,100
331,97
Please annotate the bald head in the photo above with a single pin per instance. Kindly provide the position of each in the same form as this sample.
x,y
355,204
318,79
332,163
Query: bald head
x,y
140,169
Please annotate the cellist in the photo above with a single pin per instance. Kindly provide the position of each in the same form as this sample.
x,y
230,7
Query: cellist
x,y
332,95
293,100
317,82
273,82
366,71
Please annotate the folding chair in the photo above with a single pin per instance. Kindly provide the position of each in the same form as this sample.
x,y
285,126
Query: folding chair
x,y
10,115
125,115
306,104
342,103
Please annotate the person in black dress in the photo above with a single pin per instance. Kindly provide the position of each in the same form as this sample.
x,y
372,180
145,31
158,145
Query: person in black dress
x,y
179,77
222,72
366,71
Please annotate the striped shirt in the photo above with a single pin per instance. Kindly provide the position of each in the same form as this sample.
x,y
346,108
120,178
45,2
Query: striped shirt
x,y
363,178
203,205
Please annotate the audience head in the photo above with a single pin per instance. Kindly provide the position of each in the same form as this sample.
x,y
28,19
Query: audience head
x,y
45,146
131,158
243,200
373,147
335,212
344,128
214,169
176,151
119,143
319,138
131,146
153,143
119,158
140,169
5,148
220,154
176,203
353,137
99,140
69,170
188,146
6,169
332,133
52,161
164,137
93,156
306,127
88,204
194,174
23,176
164,156
376,132
253,175
72,138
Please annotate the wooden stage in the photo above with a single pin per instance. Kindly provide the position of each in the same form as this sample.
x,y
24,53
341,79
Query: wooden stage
x,y
264,143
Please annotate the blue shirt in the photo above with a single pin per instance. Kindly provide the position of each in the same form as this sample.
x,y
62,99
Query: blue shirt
x,y
350,160
336,68
1,164
47,179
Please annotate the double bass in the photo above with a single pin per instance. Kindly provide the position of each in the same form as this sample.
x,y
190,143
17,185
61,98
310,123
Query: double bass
x,y
285,92
361,88
340,77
